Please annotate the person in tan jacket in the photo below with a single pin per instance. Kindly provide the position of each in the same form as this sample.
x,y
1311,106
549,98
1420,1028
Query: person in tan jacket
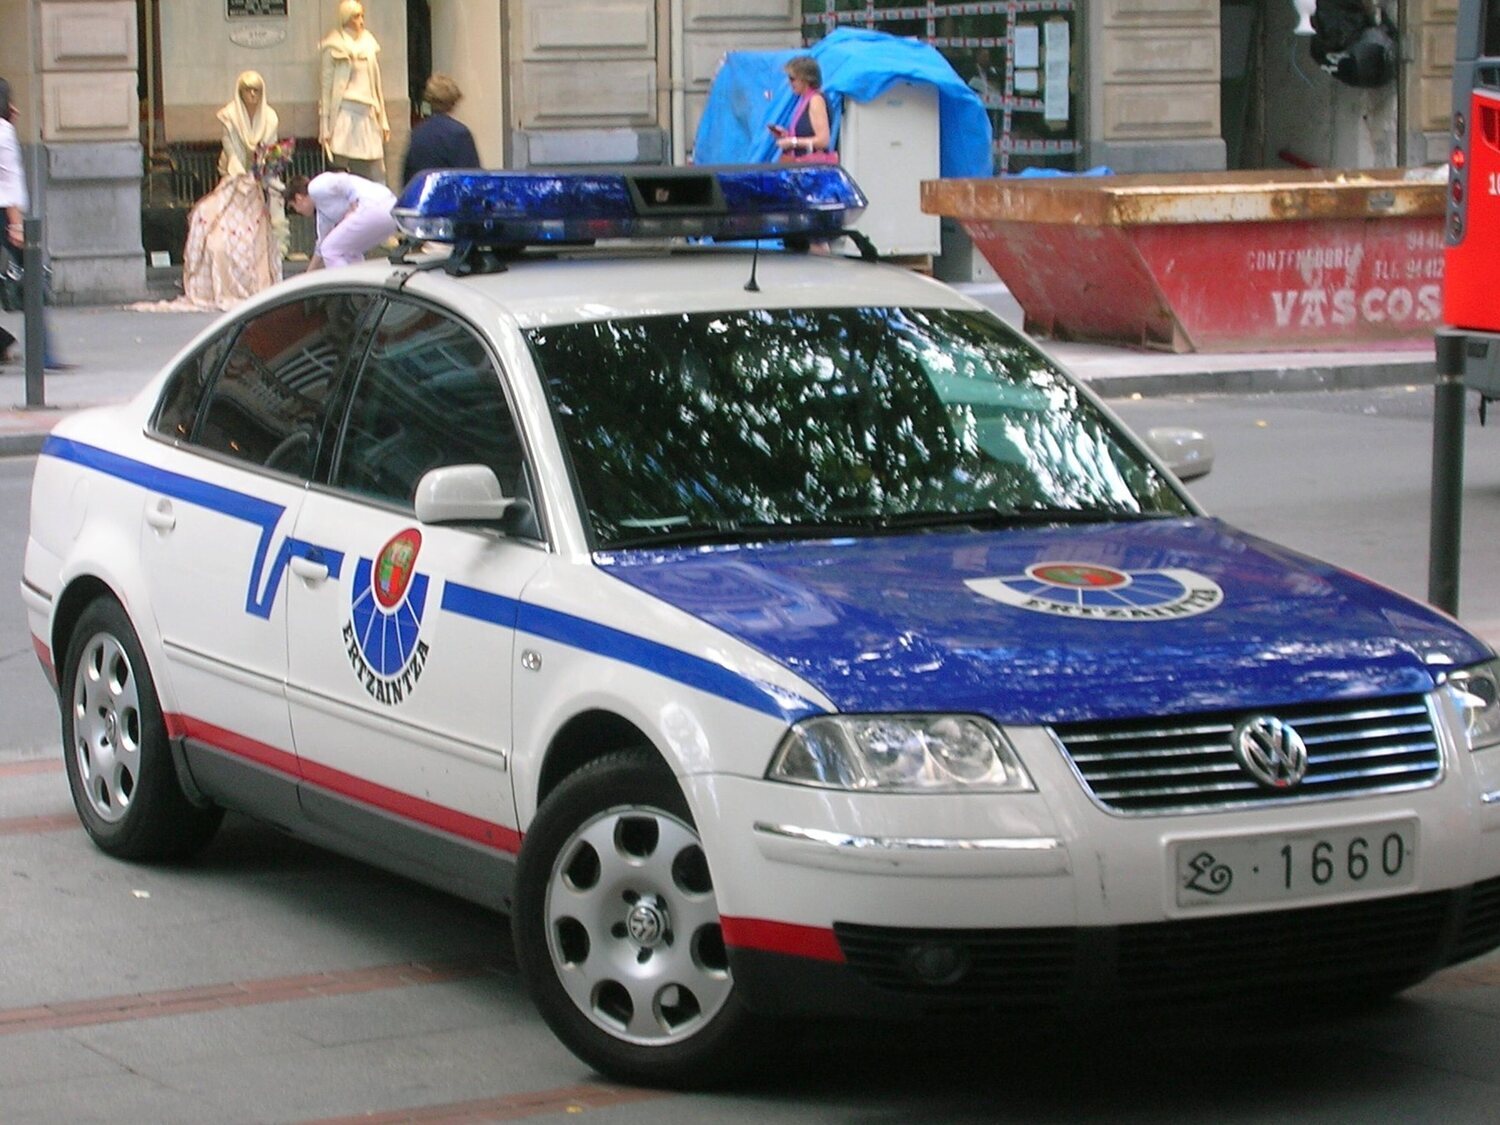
x,y
352,123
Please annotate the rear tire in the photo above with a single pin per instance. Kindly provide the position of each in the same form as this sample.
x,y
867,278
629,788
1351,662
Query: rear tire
x,y
115,746
617,930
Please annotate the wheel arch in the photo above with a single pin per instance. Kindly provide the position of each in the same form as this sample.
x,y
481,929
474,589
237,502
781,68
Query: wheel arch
x,y
79,593
586,737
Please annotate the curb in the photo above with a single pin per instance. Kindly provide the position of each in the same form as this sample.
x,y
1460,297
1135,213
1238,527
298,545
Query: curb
x,y
1266,380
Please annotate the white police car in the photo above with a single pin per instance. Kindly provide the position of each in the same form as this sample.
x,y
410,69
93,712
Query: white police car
x,y
767,634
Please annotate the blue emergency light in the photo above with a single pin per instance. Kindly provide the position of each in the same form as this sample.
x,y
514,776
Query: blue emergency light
x,y
530,208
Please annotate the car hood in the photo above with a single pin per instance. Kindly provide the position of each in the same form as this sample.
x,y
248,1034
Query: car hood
x,y
1060,624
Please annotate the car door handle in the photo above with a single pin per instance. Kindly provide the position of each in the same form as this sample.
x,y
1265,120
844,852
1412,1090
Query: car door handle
x,y
309,570
161,516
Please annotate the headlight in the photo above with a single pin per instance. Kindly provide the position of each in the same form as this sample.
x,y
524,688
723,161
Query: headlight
x,y
1476,693
900,753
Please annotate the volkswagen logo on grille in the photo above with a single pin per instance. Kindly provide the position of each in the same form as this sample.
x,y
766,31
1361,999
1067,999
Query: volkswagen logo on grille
x,y
1271,752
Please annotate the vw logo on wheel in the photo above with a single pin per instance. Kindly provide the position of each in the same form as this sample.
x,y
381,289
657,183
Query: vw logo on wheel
x,y
1270,751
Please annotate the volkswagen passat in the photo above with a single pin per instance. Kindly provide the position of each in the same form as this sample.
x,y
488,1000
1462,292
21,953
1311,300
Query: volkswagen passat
x,y
766,634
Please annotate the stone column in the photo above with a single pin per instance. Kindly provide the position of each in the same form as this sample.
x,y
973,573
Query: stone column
x,y
90,132
1154,85
1431,43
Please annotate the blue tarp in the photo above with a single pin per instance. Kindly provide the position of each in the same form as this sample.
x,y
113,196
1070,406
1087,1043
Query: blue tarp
x,y
750,92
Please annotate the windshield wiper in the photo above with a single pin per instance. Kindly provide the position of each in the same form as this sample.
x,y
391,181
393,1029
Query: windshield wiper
x,y
1025,517
735,533
727,532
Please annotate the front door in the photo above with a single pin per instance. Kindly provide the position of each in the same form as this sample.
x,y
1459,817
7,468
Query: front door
x,y
400,691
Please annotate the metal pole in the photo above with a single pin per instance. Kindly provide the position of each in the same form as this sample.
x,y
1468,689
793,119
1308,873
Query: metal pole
x,y
36,331
1447,473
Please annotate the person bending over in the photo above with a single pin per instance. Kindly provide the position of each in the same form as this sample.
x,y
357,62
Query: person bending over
x,y
353,215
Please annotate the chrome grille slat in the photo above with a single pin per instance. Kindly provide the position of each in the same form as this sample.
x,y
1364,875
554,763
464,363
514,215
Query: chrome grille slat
x,y
1405,749
1381,732
1363,716
1194,771
1220,729
1184,790
1384,771
1160,766
1197,750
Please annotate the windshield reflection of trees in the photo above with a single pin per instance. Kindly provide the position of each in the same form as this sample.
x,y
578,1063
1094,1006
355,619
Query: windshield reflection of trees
x,y
826,417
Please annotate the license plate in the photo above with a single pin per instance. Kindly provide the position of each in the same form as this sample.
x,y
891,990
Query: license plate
x,y
1247,869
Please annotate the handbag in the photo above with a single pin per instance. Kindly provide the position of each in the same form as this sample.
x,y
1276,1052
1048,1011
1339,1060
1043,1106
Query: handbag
x,y
817,156
12,283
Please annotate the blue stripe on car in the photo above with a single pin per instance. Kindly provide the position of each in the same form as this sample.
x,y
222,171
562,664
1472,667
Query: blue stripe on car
x,y
260,597
603,640
467,601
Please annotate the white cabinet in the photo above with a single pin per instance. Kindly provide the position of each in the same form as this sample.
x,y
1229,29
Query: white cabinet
x,y
890,145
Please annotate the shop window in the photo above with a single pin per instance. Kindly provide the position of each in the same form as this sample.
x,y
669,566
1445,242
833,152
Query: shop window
x,y
1020,56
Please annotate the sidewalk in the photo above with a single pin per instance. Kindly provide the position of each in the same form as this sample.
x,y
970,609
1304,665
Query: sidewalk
x,y
117,351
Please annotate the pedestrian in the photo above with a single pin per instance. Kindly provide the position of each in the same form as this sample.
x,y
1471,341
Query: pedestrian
x,y
807,137
15,201
353,213
352,123
441,141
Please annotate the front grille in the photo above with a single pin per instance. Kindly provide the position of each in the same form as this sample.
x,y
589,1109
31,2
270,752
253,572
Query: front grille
x,y
1361,945
1481,929
1019,967
1273,957
1187,764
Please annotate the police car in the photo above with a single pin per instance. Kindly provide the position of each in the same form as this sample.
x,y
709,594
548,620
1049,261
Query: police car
x,y
767,634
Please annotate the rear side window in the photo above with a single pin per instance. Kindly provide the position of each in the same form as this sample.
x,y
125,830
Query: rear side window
x,y
268,405
183,395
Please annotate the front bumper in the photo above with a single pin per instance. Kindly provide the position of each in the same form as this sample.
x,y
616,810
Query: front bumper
x,y
1273,960
879,903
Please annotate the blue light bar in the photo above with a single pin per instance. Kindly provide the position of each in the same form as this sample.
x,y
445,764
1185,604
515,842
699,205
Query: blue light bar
x,y
537,208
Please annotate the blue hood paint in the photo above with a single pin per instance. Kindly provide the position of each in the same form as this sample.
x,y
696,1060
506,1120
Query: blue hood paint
x,y
888,624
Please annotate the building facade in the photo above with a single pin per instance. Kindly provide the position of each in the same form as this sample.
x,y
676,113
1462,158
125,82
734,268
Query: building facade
x,y
118,96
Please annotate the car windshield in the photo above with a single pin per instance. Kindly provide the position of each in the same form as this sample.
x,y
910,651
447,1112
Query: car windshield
x,y
737,426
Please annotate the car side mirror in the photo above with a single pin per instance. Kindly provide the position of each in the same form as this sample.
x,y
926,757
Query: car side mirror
x,y
465,494
1186,452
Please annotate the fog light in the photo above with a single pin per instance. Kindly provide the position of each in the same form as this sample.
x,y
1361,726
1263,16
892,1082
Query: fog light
x,y
937,962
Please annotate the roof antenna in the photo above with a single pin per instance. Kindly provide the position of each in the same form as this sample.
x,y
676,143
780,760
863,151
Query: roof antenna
x,y
751,286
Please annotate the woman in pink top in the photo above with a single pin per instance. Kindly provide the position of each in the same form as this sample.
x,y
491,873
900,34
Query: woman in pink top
x,y
807,136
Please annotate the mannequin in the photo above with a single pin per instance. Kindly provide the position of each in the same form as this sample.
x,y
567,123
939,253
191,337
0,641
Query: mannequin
x,y
352,123
235,244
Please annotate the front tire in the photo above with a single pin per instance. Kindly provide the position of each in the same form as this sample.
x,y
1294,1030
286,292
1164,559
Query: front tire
x,y
617,929
115,746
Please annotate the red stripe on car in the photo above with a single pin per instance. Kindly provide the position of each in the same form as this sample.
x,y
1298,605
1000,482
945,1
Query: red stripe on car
x,y
782,937
368,793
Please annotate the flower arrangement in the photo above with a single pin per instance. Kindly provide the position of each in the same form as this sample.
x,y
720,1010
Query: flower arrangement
x,y
272,161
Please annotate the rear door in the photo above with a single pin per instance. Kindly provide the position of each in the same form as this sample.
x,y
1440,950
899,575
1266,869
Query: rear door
x,y
246,416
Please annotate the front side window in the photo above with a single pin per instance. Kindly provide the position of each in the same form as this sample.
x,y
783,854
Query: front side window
x,y
268,405
427,396
733,425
